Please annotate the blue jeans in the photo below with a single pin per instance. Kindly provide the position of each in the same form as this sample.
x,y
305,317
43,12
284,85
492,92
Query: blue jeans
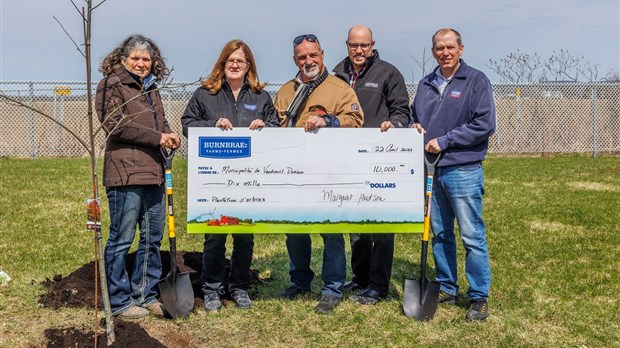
x,y
334,271
142,205
457,193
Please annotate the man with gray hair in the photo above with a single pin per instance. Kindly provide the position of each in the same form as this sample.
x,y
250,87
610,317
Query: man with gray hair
x,y
314,99
455,109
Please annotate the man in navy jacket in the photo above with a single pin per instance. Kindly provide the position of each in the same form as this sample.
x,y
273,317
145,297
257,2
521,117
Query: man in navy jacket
x,y
454,106
381,90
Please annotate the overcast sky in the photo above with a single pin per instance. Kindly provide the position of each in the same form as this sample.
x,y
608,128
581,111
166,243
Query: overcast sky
x,y
191,33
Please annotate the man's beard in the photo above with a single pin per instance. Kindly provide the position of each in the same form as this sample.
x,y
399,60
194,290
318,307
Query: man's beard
x,y
311,72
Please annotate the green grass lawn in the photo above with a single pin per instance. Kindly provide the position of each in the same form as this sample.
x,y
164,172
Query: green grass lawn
x,y
262,228
554,238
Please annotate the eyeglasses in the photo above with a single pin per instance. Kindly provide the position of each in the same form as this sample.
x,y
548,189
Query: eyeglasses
x,y
240,63
354,46
307,37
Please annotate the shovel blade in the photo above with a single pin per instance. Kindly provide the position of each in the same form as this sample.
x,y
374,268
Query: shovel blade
x,y
420,298
177,294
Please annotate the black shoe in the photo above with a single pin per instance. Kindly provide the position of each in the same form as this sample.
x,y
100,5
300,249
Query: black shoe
x,y
327,303
444,297
212,301
292,292
367,297
241,299
351,286
478,310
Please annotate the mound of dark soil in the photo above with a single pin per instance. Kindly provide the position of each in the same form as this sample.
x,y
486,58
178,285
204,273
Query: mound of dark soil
x,y
78,290
127,335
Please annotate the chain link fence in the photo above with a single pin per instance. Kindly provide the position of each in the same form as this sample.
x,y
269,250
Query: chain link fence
x,y
531,118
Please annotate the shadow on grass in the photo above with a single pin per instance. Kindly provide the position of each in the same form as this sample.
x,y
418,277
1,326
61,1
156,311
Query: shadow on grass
x,y
268,274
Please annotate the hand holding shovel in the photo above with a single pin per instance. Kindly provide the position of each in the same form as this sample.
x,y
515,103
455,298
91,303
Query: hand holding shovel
x,y
421,296
176,289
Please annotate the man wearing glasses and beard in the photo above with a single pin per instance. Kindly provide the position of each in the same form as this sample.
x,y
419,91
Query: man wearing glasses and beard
x,y
314,99
381,90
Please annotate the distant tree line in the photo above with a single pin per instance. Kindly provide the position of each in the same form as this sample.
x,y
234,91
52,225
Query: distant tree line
x,y
522,67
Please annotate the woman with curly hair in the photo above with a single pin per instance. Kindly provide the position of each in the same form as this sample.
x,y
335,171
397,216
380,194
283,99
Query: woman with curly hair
x,y
130,109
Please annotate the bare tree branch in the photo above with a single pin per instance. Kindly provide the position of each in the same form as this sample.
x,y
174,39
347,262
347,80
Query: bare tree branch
x,y
516,67
81,12
91,149
21,104
165,86
77,47
519,67
563,64
612,76
422,63
99,4
590,71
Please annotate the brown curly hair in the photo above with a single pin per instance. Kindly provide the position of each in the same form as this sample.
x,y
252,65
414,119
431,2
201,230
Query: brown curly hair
x,y
135,42
214,82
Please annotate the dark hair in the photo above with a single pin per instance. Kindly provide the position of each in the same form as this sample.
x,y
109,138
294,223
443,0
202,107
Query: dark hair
x,y
135,42
214,82
445,30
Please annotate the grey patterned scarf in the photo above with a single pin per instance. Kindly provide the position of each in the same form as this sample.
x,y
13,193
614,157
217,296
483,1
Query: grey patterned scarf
x,y
301,94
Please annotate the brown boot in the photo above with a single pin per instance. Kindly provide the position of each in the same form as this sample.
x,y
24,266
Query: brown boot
x,y
156,308
133,312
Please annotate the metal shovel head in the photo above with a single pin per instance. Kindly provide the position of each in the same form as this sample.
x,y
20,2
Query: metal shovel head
x,y
177,294
420,298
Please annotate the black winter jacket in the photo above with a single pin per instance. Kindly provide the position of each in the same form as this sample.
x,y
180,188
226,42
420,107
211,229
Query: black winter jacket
x,y
381,91
205,108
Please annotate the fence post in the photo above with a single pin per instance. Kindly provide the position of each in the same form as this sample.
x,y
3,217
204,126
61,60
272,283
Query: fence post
x,y
55,117
62,121
518,116
31,104
594,128
497,126
169,111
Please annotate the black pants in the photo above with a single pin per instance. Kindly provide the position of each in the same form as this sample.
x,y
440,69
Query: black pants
x,y
372,256
214,262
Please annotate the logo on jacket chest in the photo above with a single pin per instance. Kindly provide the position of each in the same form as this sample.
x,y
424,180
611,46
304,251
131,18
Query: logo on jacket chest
x,y
371,85
251,107
455,94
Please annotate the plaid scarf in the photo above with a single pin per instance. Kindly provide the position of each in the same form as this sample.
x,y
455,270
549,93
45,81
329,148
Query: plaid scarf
x,y
303,90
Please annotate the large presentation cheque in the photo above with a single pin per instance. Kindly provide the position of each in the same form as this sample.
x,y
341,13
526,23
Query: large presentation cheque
x,y
286,180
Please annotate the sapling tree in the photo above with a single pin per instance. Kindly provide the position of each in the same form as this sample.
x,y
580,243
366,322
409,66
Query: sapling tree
x,y
94,151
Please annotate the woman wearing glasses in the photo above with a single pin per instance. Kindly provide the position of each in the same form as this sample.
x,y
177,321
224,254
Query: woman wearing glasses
x,y
231,96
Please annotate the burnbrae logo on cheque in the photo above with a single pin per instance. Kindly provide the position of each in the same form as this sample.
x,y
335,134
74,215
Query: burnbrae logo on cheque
x,y
224,147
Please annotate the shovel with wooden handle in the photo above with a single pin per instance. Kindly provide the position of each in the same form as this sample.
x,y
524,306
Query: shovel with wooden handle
x,y
176,289
421,296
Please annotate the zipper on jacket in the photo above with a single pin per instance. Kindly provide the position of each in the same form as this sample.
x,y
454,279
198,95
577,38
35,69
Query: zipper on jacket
x,y
151,104
234,103
436,89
